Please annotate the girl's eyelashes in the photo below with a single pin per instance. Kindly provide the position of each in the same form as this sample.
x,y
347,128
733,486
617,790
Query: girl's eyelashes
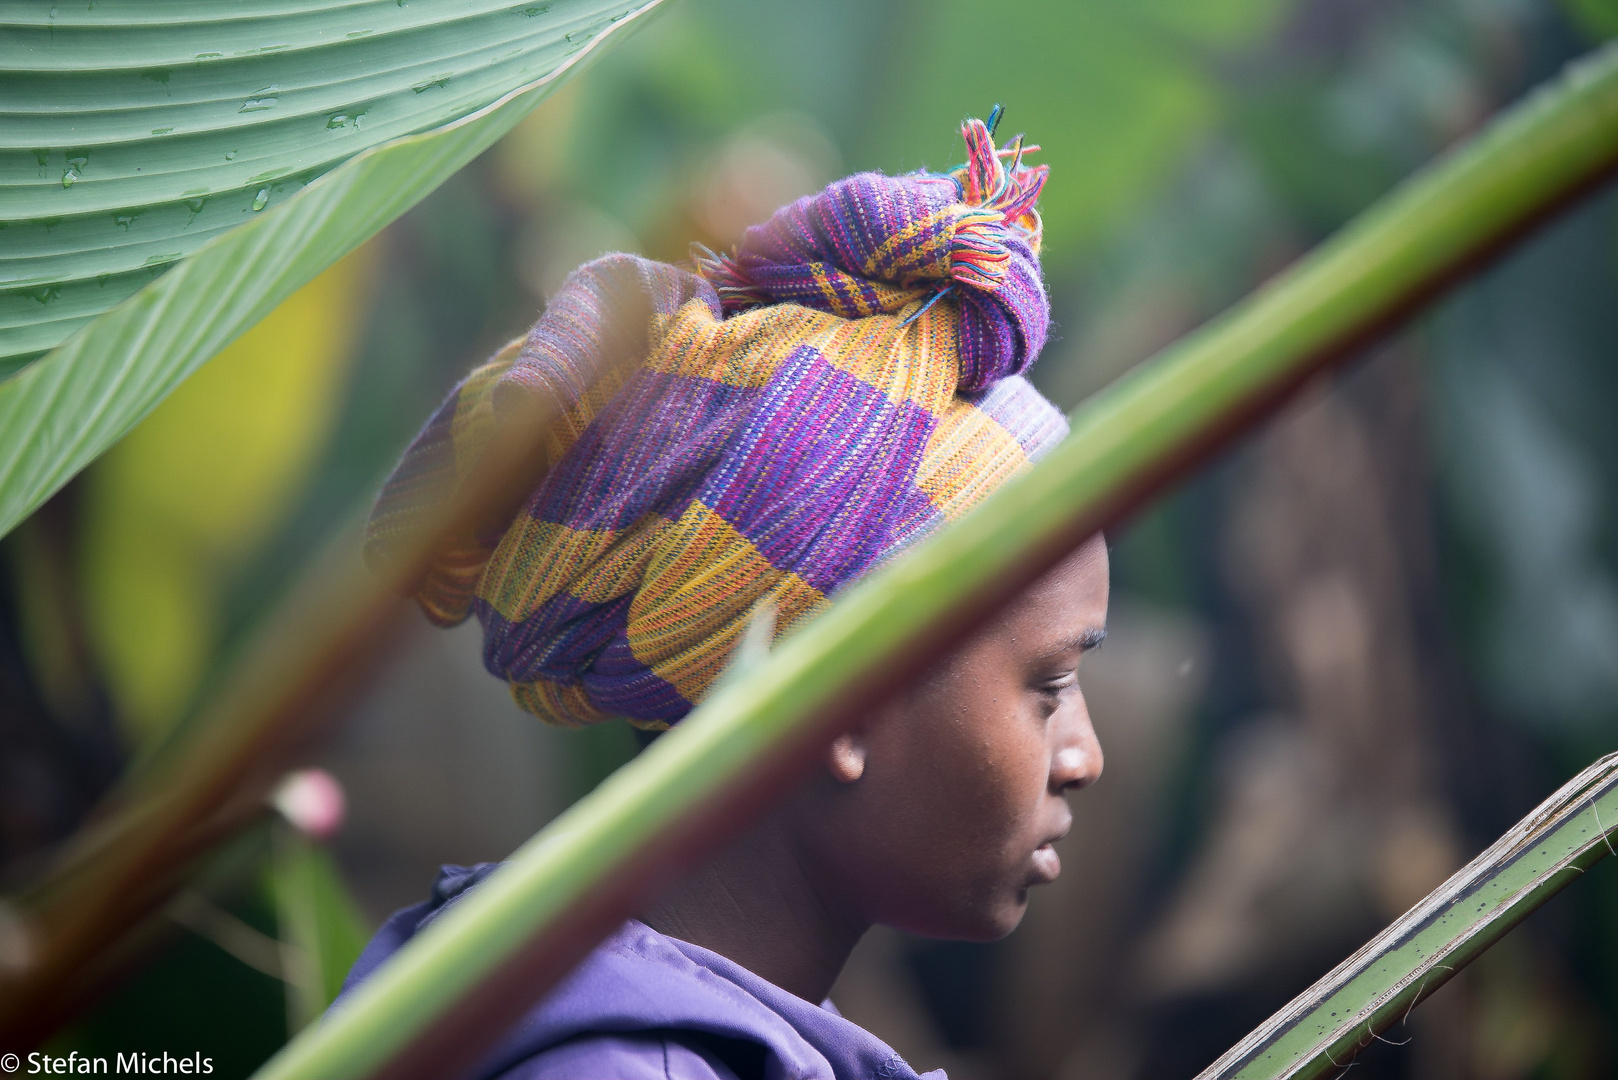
x,y
1056,684
1050,692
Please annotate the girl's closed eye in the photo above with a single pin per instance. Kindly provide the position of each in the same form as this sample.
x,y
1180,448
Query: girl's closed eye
x,y
1057,683
1051,689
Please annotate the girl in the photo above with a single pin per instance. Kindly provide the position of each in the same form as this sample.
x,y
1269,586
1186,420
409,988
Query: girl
x,y
750,436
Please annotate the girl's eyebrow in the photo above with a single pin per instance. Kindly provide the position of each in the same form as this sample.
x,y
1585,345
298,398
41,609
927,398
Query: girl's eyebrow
x,y
1089,639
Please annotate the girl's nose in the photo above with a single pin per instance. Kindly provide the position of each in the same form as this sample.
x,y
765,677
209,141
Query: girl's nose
x,y
1076,760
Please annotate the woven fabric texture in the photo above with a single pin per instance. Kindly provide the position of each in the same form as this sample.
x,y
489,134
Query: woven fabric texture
x,y
796,412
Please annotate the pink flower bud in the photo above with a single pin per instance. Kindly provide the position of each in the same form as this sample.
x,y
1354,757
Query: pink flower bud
x,y
312,800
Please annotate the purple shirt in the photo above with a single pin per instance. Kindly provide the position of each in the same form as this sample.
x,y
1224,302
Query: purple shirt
x,y
644,1006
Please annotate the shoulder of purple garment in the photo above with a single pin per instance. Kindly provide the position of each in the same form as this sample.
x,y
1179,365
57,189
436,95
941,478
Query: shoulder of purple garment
x,y
638,983
627,1056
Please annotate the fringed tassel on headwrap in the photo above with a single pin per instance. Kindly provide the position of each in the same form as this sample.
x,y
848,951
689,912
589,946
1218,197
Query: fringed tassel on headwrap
x,y
877,245
736,293
991,195
999,195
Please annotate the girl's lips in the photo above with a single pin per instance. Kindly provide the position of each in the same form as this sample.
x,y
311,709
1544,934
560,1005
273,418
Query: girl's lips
x,y
1047,864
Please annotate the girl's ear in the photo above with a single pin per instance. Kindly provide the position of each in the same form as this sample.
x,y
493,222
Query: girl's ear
x,y
845,758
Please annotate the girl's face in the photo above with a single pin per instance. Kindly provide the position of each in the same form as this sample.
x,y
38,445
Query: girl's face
x,y
940,812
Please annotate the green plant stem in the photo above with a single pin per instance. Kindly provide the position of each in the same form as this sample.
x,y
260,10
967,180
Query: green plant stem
x,y
1321,1030
474,971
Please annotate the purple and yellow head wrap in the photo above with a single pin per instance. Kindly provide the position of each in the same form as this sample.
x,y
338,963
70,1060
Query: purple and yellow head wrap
x,y
802,409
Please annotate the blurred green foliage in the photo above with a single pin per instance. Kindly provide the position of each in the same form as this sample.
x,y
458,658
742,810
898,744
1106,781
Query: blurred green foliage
x,y
1139,85
1597,18
193,996
321,929
170,512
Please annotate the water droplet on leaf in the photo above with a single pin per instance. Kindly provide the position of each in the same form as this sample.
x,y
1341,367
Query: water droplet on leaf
x,y
266,98
261,199
75,166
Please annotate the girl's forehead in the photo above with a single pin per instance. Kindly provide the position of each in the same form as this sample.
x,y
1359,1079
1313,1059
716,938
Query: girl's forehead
x,y
1064,612
1076,588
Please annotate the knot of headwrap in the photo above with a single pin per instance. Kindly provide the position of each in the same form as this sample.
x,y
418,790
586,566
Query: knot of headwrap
x,y
874,244
757,451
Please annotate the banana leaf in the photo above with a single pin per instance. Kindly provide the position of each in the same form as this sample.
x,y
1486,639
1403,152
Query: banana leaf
x,y
171,170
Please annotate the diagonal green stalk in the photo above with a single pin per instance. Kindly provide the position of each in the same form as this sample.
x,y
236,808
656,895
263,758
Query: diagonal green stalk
x,y
1321,1030
473,972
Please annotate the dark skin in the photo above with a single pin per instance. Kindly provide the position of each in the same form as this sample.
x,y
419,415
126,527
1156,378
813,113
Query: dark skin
x,y
934,816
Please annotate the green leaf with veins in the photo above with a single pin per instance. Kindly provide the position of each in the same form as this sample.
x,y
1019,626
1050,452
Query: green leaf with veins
x,y
230,152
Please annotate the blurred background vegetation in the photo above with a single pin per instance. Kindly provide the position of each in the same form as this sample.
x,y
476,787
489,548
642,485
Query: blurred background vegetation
x,y
1343,659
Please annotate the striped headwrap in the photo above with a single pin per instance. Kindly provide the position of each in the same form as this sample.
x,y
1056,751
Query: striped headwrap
x,y
797,412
